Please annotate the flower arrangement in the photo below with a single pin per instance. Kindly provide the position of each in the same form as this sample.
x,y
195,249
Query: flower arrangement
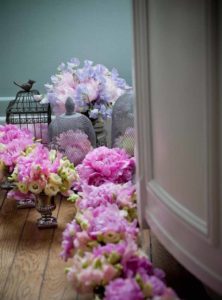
x,y
93,227
102,240
74,145
123,195
39,170
13,141
93,88
106,165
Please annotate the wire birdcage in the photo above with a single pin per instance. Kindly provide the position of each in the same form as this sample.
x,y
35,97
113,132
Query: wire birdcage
x,y
123,133
28,113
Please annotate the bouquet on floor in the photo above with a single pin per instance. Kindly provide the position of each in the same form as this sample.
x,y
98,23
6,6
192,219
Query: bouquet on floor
x,y
39,170
12,142
104,165
123,195
99,226
118,271
93,88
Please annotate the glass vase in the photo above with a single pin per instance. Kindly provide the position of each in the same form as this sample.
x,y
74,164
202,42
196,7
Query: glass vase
x,y
45,205
5,184
27,202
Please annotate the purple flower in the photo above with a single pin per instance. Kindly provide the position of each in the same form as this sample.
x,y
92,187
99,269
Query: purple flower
x,y
158,287
123,289
91,83
137,265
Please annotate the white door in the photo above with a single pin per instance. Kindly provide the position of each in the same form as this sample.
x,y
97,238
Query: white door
x,y
177,80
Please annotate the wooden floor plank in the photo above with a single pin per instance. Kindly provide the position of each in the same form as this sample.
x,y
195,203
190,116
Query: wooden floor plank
x,y
12,222
55,285
26,274
2,197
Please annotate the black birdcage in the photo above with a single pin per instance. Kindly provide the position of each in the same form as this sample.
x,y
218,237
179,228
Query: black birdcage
x,y
27,112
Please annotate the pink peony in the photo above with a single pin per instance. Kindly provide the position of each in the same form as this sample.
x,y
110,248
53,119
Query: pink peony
x,y
106,165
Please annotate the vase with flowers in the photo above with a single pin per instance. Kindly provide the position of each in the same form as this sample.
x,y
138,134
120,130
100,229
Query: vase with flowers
x,y
13,141
44,174
93,88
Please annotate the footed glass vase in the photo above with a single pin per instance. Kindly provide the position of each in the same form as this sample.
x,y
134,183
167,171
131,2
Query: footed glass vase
x,y
27,202
5,184
45,205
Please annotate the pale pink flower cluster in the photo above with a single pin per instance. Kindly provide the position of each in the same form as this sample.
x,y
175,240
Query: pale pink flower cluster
x,y
40,170
123,195
12,142
102,225
99,267
106,165
74,145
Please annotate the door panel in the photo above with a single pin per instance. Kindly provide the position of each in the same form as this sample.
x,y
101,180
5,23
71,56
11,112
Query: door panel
x,y
176,82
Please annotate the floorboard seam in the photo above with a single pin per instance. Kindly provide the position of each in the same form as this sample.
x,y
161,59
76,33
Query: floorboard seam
x,y
3,200
16,249
48,253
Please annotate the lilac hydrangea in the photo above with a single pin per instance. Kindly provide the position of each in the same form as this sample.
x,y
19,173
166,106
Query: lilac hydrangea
x,y
93,88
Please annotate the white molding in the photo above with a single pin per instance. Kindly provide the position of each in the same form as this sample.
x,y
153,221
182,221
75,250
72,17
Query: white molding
x,y
192,261
8,98
180,210
194,242
142,109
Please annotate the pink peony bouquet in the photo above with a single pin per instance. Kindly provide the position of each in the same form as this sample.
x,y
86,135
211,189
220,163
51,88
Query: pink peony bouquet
x,y
12,142
104,165
73,144
40,170
93,88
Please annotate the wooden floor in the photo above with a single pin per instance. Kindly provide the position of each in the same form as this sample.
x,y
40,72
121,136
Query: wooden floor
x,y
30,267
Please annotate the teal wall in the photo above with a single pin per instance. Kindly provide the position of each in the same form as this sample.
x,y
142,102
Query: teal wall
x,y
36,35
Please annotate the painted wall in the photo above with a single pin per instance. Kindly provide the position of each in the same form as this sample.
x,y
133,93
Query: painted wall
x,y
35,36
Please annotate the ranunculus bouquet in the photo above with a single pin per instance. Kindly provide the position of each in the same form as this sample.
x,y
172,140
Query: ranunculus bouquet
x,y
12,142
39,170
93,88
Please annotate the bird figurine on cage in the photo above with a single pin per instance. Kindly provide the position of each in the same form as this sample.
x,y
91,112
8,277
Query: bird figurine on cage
x,y
26,86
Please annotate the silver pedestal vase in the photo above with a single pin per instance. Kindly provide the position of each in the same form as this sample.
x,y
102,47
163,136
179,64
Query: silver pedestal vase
x,y
45,205
6,184
28,202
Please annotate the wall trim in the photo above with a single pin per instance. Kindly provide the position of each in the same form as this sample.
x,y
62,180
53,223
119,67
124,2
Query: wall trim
x,y
180,210
8,98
